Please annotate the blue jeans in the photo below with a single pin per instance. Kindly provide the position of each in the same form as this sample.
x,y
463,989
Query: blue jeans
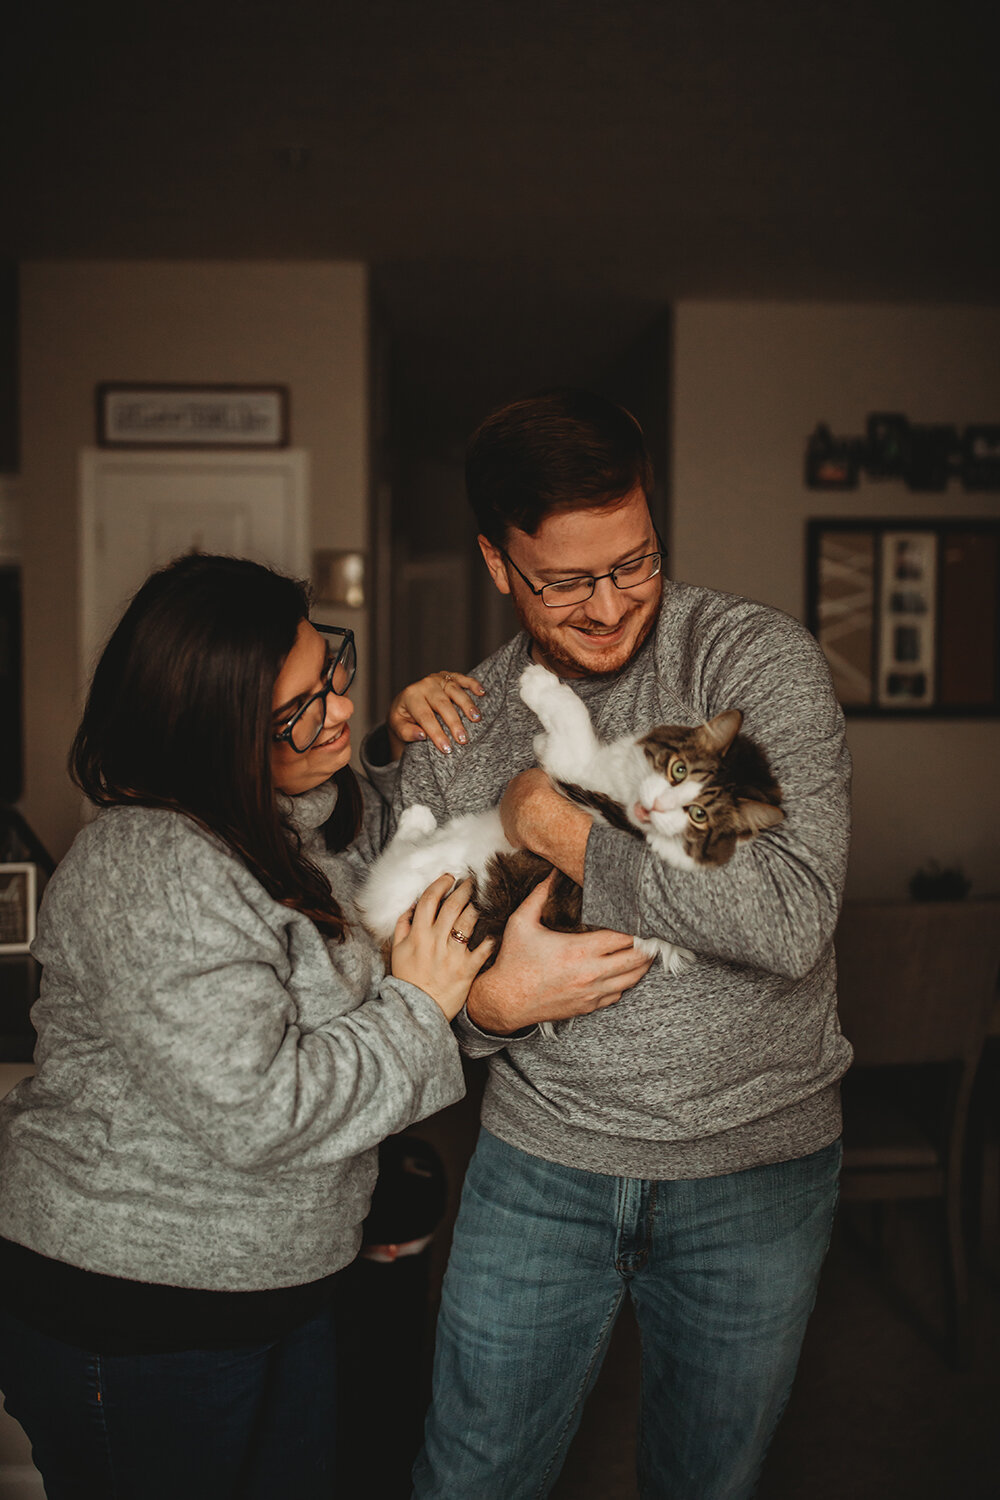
x,y
722,1273
202,1424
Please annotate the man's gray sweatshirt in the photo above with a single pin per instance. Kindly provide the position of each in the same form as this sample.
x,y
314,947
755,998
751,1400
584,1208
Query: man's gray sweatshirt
x,y
213,1077
735,1062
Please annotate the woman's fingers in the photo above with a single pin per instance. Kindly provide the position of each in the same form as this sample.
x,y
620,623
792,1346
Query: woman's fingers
x,y
447,698
456,904
431,947
433,709
425,911
446,904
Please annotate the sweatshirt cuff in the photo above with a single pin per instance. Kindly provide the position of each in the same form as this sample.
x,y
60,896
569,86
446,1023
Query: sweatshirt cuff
x,y
475,1042
611,876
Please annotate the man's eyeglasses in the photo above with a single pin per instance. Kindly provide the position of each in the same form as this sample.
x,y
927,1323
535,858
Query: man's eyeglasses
x,y
627,575
304,727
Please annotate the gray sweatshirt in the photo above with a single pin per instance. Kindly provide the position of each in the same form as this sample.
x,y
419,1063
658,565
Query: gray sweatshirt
x,y
213,1076
735,1062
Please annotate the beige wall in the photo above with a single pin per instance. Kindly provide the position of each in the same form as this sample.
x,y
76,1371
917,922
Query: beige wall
x,y
300,324
751,380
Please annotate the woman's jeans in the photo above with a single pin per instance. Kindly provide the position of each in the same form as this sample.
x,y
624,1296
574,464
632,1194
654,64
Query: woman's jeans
x,y
204,1424
722,1273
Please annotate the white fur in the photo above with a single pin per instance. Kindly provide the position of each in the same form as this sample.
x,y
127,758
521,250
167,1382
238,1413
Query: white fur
x,y
418,854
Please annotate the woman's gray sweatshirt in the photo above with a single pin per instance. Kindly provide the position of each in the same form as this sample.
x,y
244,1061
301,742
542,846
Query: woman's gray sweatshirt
x,y
213,1076
735,1062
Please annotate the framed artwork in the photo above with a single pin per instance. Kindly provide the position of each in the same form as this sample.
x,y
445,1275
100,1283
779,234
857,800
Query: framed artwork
x,y
832,463
925,456
981,457
192,416
17,907
908,614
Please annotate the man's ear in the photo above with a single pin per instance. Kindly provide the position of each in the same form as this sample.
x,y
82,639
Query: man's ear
x,y
493,558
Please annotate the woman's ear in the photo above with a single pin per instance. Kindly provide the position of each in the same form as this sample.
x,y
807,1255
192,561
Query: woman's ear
x,y
494,560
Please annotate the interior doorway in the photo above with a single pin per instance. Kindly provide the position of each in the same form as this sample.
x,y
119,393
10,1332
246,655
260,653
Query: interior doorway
x,y
434,605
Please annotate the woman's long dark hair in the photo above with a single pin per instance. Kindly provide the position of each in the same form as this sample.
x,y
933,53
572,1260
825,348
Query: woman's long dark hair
x,y
179,715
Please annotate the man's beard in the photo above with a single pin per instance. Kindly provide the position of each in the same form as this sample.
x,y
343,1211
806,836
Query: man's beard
x,y
561,659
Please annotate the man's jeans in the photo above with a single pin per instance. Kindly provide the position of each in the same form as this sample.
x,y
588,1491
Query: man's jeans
x,y
254,1422
722,1273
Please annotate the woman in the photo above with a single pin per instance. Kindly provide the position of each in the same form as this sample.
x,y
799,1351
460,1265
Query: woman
x,y
219,1054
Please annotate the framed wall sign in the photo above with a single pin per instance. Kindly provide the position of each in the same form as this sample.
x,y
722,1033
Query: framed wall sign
x,y
192,416
908,614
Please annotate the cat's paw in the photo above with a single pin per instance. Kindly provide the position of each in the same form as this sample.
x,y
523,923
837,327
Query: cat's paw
x,y
676,960
569,744
547,697
415,822
535,685
648,947
555,1030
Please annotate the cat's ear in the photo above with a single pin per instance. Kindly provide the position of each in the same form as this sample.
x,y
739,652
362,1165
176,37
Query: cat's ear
x,y
722,730
757,816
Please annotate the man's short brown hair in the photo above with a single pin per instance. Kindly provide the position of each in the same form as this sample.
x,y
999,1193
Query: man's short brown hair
x,y
560,449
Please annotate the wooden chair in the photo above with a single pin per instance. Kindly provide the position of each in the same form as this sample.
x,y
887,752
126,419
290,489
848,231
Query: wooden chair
x,y
916,984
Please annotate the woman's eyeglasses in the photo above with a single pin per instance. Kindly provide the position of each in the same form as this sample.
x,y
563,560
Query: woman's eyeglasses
x,y
304,727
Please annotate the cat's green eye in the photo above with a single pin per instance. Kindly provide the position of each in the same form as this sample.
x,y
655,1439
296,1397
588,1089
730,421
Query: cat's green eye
x,y
697,814
678,771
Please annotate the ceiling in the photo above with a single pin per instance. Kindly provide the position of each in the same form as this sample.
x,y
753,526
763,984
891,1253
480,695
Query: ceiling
x,y
532,182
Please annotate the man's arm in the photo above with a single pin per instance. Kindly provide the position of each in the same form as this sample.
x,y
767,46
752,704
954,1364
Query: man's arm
x,y
775,905
537,817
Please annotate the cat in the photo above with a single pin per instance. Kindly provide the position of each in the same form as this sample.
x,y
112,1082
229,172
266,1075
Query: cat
x,y
693,793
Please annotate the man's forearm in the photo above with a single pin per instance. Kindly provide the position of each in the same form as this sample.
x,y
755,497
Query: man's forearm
x,y
490,1008
537,817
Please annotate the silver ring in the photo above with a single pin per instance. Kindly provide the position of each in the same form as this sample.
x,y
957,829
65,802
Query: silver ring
x,y
460,937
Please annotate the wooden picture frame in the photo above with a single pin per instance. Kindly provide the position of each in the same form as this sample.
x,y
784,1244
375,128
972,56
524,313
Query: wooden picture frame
x,y
192,416
908,614
18,886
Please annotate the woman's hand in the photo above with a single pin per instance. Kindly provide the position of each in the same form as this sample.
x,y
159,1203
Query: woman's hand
x,y
427,952
420,711
540,975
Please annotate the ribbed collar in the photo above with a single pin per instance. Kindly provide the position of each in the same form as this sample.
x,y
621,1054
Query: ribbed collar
x,y
311,809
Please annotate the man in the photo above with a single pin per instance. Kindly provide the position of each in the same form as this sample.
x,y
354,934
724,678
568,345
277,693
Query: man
x,y
679,1146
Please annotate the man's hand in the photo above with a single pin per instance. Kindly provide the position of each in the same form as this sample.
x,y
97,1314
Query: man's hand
x,y
537,817
540,975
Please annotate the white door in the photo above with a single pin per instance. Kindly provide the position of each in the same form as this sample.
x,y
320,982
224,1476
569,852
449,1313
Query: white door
x,y
138,510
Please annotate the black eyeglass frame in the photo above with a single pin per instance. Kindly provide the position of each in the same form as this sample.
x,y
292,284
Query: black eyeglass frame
x,y
347,644
539,593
